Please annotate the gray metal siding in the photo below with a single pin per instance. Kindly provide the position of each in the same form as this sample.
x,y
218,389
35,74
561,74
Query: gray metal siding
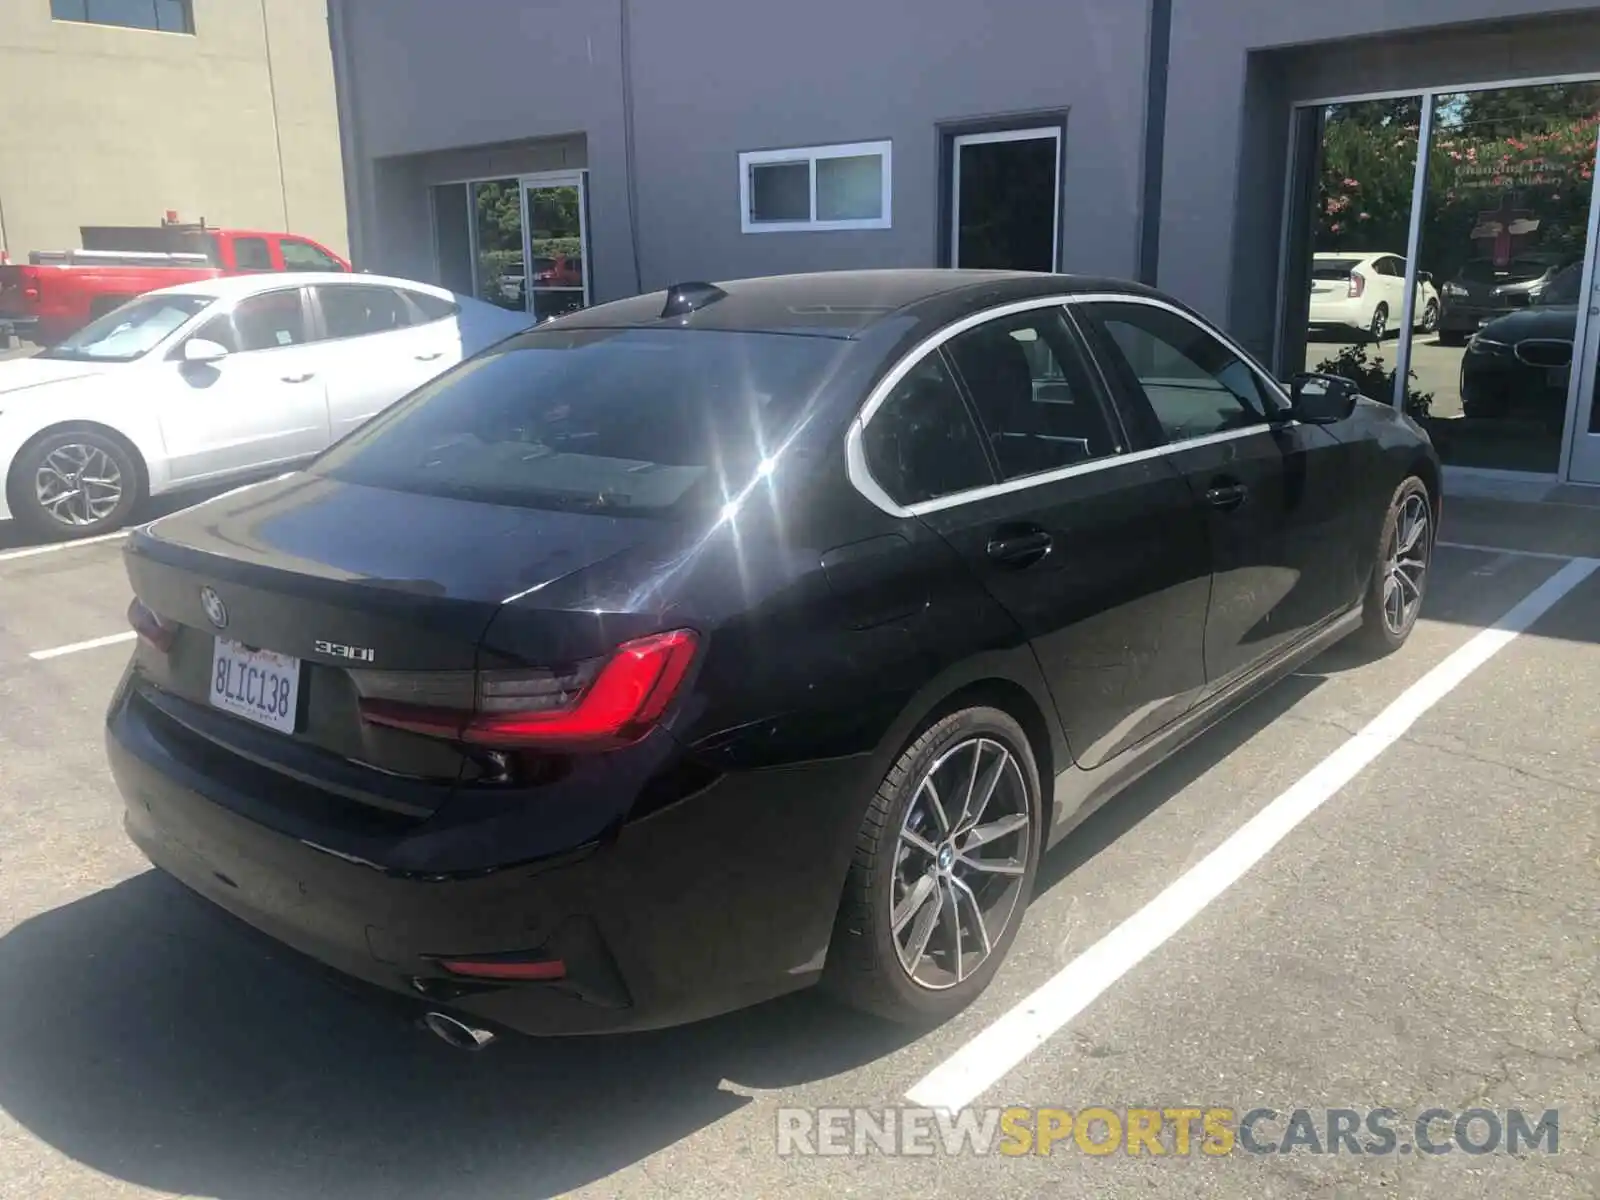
x,y
712,78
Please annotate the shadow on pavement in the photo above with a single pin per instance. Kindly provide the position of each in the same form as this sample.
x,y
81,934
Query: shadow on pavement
x,y
146,1038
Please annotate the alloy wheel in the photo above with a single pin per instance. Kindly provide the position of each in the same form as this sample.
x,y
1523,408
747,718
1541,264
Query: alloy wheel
x,y
1380,325
78,484
960,861
1406,564
1430,317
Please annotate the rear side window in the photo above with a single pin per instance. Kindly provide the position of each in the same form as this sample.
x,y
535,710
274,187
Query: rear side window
x,y
251,254
433,308
629,422
921,444
1027,383
357,311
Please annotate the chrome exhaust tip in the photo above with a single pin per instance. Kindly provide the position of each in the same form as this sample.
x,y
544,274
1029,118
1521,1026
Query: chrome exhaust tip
x,y
457,1033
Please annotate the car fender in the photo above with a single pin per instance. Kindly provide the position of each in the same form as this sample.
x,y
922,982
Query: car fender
x,y
91,400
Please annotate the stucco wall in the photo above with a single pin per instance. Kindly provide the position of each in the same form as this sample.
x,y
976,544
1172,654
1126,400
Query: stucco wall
x,y
102,125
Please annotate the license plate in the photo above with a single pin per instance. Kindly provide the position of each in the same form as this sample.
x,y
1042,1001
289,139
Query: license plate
x,y
259,685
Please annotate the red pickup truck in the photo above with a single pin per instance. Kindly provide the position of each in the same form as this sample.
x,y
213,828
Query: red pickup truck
x,y
59,291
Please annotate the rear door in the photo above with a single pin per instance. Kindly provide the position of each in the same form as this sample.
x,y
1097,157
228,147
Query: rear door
x,y
1272,492
1099,555
265,403
375,351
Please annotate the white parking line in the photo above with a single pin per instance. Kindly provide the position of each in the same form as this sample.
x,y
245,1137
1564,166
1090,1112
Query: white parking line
x,y
54,547
1505,550
991,1055
115,639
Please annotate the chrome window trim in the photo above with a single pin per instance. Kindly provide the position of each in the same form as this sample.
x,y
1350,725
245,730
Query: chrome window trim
x,y
855,455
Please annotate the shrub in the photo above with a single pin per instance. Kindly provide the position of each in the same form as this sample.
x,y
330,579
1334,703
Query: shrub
x,y
1375,378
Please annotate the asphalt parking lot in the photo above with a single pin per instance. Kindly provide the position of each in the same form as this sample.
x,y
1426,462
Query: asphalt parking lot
x,y
1421,932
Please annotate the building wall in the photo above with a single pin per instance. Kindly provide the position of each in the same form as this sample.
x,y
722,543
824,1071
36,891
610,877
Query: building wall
x,y
712,78
1237,68
101,125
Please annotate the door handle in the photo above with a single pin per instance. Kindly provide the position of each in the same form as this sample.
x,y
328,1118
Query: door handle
x,y
1022,548
430,357
1226,496
299,378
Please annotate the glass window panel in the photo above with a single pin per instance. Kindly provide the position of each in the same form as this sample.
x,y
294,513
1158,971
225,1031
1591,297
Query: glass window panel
x,y
780,191
850,189
1504,232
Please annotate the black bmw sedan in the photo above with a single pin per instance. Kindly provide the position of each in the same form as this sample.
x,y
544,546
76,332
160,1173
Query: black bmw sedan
x,y
702,646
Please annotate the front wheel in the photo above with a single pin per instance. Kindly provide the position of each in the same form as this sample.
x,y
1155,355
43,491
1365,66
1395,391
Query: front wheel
x,y
1430,317
943,871
1379,328
74,483
1400,569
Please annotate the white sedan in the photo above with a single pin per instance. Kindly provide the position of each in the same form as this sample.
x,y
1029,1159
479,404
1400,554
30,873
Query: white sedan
x,y
207,382
1366,293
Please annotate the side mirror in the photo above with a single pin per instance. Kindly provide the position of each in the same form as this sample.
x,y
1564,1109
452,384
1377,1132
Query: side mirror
x,y
1424,276
1323,399
202,350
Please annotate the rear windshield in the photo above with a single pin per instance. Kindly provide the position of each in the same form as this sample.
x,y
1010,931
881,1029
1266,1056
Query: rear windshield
x,y
634,422
1483,270
1338,268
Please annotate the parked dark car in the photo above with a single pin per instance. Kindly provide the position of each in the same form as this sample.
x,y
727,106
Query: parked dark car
x,y
1520,365
1482,291
700,646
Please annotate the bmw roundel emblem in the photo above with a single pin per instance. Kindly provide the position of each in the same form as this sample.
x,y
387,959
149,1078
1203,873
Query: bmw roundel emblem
x,y
216,611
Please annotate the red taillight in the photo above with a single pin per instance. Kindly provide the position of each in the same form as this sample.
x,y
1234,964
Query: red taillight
x,y
588,709
150,627
1358,284
507,969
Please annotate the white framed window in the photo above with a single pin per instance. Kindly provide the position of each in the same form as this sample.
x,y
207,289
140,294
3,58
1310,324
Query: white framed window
x,y
846,186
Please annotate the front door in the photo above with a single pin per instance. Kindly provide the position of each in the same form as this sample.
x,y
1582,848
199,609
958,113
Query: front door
x,y
1102,563
264,403
1286,547
1005,199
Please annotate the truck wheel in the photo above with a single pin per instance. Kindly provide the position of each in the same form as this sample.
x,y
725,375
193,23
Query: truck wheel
x,y
74,483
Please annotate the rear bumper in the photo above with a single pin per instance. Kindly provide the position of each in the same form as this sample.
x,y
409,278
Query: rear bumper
x,y
720,900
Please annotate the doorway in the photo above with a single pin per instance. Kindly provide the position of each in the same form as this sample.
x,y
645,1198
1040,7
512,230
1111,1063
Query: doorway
x,y
1439,248
520,243
1005,198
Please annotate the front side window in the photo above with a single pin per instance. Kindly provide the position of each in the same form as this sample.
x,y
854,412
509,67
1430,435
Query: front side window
x,y
1031,393
658,423
131,331
303,256
251,254
166,16
921,444
819,187
357,311
1195,385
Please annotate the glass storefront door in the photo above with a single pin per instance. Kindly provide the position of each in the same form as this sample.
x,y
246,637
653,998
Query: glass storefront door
x,y
1460,227
558,276
520,243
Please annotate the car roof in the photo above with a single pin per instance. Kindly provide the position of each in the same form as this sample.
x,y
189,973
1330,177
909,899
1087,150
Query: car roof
x,y
236,287
838,304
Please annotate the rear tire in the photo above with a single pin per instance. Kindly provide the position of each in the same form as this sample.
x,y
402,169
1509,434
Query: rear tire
x,y
74,483
958,901
1401,562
